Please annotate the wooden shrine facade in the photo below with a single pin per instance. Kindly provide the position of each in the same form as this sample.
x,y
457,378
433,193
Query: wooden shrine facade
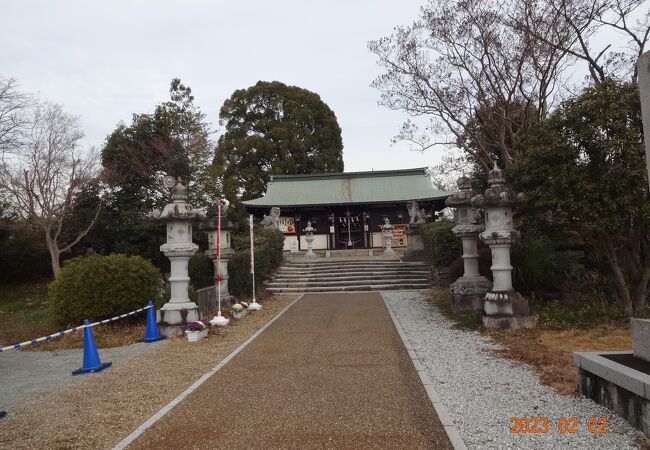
x,y
347,210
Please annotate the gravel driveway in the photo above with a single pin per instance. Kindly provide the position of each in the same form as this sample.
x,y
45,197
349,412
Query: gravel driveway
x,y
483,392
26,373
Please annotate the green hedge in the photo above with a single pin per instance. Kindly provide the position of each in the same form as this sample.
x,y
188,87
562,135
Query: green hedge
x,y
538,266
99,287
440,243
201,271
268,256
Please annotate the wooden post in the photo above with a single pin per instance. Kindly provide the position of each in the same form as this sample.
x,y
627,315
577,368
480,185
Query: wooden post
x,y
643,65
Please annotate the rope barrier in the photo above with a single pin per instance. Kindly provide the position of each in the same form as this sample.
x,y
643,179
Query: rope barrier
x,y
71,330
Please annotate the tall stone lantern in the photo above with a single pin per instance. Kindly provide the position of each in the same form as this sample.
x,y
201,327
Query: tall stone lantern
x,y
309,238
179,310
387,230
210,226
503,307
467,292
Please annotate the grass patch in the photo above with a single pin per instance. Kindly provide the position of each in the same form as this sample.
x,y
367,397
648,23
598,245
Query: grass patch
x,y
24,315
577,311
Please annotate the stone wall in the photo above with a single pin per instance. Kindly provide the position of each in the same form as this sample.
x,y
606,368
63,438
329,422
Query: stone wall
x,y
634,408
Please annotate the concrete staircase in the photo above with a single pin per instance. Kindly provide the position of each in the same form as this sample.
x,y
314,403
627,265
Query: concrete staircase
x,y
349,275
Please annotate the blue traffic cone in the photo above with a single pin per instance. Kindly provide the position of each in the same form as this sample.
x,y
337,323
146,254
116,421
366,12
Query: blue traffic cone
x,y
151,335
91,363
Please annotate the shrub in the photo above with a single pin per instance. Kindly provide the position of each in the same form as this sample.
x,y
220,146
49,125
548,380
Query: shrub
x,y
268,256
538,266
98,287
201,270
440,243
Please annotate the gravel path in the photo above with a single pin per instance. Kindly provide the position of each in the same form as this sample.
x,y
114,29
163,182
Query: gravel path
x,y
331,372
27,373
483,392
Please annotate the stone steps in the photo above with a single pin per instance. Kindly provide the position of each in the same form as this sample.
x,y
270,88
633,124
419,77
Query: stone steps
x,y
378,287
276,283
339,262
360,271
349,275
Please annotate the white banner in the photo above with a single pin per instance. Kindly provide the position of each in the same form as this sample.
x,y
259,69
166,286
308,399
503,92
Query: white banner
x,y
250,225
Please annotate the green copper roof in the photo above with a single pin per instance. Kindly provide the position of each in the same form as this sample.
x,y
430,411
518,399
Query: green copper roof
x,y
345,188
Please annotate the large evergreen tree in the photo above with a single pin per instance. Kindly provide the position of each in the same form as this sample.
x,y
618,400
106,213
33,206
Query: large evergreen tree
x,y
272,128
583,169
172,140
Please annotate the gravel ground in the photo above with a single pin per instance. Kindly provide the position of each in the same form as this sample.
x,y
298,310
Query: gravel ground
x,y
331,372
99,410
483,392
27,373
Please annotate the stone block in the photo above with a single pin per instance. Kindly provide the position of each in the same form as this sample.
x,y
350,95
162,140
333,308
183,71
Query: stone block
x,y
509,303
641,338
509,322
461,302
627,378
177,317
635,408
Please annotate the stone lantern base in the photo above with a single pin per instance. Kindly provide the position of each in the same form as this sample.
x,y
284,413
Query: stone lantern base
x,y
468,293
173,318
507,310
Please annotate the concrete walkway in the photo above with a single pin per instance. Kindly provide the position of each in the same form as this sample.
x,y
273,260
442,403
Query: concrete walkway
x,y
331,372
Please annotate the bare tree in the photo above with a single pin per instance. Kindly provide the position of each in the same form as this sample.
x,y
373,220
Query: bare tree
x,y
481,72
44,176
582,23
461,63
14,106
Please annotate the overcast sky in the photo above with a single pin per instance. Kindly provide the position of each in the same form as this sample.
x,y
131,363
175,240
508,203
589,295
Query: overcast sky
x,y
106,60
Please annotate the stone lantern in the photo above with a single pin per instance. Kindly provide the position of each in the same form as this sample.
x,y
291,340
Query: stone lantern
x,y
467,292
210,226
179,310
309,238
387,230
503,307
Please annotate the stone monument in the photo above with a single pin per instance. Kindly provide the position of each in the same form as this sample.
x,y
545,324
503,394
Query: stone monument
x,y
179,310
468,291
503,307
210,226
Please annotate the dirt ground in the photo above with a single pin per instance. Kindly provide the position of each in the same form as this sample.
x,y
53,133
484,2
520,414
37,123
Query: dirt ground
x,y
104,407
550,352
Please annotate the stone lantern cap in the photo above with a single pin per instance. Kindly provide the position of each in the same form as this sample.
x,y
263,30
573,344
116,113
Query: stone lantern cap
x,y
462,197
308,228
179,209
498,194
210,222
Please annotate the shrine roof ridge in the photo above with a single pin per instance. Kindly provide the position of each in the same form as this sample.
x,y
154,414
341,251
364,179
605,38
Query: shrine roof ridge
x,y
358,174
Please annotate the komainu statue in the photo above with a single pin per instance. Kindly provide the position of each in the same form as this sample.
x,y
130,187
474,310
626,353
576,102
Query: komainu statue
x,y
271,221
415,213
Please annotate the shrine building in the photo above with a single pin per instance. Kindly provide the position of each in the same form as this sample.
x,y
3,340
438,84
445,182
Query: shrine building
x,y
347,210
